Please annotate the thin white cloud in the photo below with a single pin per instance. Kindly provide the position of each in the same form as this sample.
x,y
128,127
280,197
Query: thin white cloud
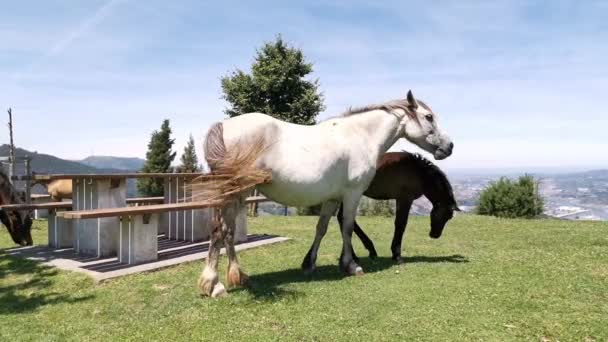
x,y
86,25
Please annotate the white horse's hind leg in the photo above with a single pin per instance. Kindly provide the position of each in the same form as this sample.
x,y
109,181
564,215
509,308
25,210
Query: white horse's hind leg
x,y
208,282
327,211
347,264
235,276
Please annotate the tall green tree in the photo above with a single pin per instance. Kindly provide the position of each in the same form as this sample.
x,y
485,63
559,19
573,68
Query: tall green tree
x,y
277,86
158,160
189,159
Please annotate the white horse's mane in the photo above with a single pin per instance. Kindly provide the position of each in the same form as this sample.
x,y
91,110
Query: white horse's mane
x,y
389,106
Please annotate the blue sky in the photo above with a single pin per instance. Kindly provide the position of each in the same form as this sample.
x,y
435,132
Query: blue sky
x,y
515,83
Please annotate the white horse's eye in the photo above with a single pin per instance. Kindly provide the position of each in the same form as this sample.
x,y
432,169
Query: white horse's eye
x,y
429,117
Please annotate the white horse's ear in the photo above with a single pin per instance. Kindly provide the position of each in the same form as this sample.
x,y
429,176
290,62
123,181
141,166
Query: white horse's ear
x,y
411,99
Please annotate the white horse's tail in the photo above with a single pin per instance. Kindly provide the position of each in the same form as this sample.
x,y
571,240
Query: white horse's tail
x,y
232,172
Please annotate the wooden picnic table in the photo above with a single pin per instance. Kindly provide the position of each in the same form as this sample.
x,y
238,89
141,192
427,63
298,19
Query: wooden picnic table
x,y
98,236
137,239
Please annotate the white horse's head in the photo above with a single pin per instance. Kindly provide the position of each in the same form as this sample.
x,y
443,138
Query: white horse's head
x,y
421,128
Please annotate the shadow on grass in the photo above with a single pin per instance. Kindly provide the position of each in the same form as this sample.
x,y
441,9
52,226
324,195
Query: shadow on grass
x,y
270,286
28,290
456,259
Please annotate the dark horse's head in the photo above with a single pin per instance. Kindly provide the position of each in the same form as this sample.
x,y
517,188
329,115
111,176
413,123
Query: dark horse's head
x,y
438,190
18,223
19,226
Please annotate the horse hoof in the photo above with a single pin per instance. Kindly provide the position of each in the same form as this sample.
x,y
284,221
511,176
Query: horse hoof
x,y
219,291
352,270
399,260
207,282
236,277
373,255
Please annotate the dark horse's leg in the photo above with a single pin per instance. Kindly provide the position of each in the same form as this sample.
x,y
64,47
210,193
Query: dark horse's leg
x,y
403,211
369,245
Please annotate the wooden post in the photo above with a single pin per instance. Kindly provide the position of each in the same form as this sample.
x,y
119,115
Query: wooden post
x,y
12,146
28,180
256,192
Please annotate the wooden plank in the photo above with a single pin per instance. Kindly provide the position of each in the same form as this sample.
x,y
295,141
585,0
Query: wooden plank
x,y
116,175
147,209
257,199
68,204
138,200
38,206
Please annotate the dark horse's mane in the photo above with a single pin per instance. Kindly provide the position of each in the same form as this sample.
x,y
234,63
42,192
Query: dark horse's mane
x,y
434,176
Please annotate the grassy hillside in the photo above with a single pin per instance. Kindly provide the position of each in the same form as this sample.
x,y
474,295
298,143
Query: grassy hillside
x,y
485,279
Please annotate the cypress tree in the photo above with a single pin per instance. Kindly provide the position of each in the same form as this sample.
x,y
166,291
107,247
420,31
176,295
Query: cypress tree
x,y
189,159
158,160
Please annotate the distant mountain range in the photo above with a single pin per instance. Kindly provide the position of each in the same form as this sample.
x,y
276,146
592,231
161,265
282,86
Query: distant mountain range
x,y
116,163
45,163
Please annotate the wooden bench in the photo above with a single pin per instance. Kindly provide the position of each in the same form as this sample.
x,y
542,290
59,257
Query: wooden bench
x,y
137,201
138,231
36,206
61,231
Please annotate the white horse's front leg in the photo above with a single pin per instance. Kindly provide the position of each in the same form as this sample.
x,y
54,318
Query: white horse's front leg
x,y
347,264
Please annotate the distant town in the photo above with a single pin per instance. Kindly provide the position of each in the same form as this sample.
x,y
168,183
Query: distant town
x,y
571,196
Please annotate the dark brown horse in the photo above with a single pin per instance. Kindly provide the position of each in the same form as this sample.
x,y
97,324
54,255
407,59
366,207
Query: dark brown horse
x,y
405,177
18,223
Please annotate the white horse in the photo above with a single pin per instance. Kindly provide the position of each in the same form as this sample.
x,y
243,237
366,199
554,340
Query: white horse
x,y
332,162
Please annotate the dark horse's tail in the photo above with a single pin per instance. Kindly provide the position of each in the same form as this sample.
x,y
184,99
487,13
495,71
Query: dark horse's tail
x,y
232,172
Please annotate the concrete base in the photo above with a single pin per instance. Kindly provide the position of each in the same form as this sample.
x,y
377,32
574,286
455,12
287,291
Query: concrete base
x,y
138,239
61,232
97,237
241,226
170,253
189,225
202,224
40,214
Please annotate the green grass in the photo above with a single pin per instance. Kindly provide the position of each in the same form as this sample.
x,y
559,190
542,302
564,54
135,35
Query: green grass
x,y
485,279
